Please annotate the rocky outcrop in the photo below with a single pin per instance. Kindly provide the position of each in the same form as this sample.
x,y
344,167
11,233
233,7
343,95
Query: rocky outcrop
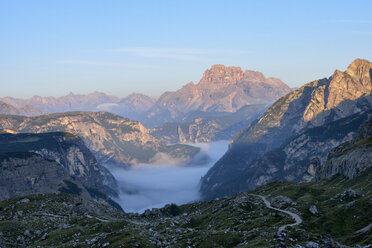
x,y
221,89
281,201
113,139
313,105
211,127
351,158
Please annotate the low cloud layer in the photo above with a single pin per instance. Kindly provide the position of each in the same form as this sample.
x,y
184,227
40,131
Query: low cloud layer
x,y
153,186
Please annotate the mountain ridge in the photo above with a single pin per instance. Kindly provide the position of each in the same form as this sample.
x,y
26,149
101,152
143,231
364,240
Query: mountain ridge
x,y
220,89
113,139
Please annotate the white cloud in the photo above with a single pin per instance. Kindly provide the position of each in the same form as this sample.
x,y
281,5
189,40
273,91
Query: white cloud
x,y
106,106
178,53
98,63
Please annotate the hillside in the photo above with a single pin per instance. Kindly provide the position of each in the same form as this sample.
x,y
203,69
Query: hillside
x,y
297,159
51,162
335,213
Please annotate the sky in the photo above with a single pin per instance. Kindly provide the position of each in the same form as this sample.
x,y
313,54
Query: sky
x,y
51,48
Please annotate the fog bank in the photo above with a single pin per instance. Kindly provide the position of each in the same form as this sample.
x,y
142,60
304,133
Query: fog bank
x,y
153,186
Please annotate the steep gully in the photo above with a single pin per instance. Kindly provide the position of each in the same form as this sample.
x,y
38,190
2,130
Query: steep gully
x,y
296,217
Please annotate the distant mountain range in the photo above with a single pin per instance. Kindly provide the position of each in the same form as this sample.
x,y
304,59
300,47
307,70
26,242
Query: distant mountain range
x,y
222,89
27,110
132,105
282,144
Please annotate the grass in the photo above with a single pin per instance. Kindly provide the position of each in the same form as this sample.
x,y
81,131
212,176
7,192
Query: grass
x,y
365,142
340,218
240,220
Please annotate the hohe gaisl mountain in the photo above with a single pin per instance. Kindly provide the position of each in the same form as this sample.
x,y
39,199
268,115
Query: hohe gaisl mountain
x,y
221,89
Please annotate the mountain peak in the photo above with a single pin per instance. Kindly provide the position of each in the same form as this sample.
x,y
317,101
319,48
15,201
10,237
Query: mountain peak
x,y
220,74
360,69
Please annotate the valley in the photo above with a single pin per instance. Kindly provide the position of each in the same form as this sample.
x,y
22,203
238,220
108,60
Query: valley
x,y
280,169
186,124
155,185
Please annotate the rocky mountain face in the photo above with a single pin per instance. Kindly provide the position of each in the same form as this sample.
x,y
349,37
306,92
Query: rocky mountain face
x,y
68,150
51,163
221,89
210,128
113,139
313,105
298,159
351,158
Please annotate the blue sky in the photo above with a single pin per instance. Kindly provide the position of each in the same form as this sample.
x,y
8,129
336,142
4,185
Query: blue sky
x,y
119,47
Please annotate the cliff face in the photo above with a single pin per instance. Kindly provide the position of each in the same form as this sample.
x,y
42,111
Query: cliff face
x,y
67,150
112,138
221,89
313,105
351,158
26,173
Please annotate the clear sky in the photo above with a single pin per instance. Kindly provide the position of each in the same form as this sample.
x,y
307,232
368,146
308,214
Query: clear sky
x,y
54,47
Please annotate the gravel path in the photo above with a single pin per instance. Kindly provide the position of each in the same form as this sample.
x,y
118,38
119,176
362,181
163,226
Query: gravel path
x,y
296,217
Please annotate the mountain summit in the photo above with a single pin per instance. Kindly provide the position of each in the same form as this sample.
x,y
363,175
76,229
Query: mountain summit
x,y
221,89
